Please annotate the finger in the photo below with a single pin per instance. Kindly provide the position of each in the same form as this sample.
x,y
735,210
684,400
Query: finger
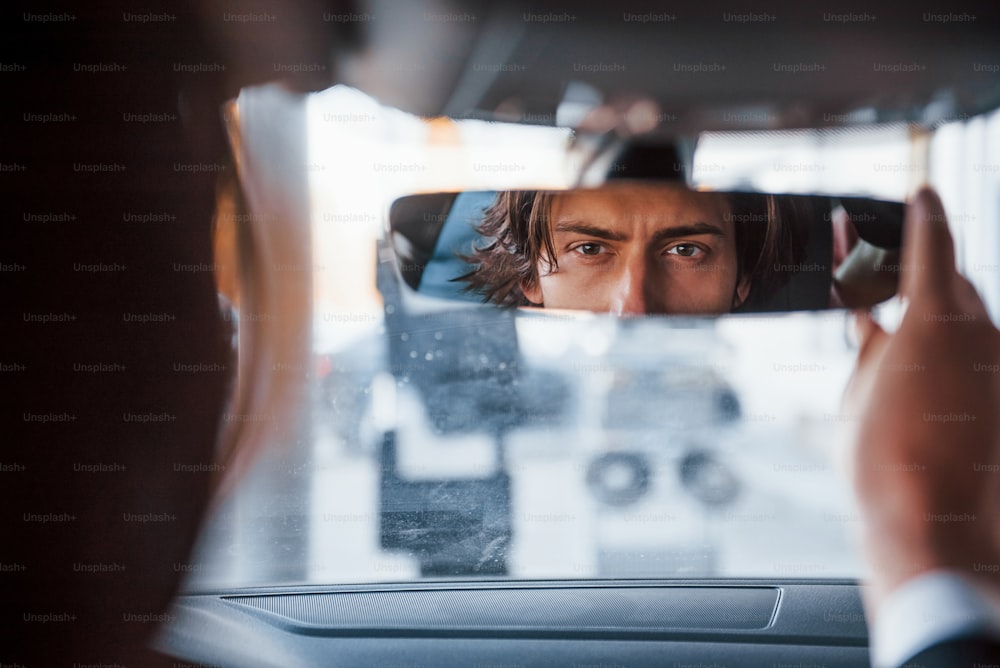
x,y
872,341
928,250
844,236
869,334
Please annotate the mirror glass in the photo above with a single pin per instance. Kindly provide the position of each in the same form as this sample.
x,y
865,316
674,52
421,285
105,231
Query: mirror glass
x,y
639,248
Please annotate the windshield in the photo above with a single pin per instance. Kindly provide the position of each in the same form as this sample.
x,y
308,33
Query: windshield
x,y
437,441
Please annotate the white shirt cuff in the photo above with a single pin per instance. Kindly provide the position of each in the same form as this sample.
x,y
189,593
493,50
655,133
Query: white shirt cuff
x,y
932,608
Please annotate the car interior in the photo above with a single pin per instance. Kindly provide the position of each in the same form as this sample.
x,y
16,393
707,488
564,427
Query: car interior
x,y
429,478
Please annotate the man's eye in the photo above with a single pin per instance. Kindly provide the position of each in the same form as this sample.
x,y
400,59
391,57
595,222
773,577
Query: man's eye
x,y
686,250
588,249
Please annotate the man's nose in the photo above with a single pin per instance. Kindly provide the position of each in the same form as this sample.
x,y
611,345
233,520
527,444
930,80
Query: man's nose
x,y
632,290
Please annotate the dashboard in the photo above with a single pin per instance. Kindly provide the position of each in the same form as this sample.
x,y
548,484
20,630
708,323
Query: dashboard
x,y
480,624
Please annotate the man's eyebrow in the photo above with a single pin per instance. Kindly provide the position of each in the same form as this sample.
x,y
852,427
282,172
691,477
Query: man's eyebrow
x,y
690,230
694,229
589,230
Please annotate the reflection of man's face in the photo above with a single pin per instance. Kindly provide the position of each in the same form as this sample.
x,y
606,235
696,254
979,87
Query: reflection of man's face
x,y
631,249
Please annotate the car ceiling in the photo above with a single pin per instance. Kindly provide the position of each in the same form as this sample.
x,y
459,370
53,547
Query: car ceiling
x,y
703,69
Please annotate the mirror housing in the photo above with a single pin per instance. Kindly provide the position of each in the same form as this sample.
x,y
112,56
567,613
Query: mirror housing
x,y
794,252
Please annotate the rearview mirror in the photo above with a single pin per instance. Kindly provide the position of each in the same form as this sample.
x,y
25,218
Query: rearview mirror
x,y
632,248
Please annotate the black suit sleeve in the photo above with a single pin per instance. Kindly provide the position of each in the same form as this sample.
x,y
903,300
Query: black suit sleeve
x,y
971,652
